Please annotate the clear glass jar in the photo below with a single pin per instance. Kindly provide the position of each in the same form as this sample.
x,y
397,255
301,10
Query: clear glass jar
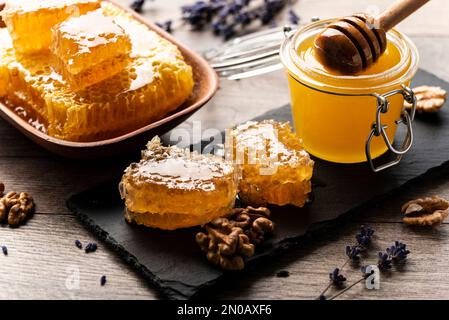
x,y
339,117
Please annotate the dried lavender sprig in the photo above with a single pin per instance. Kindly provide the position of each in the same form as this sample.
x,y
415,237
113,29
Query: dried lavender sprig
x,y
166,25
293,18
398,252
364,236
5,250
352,252
337,278
226,17
137,5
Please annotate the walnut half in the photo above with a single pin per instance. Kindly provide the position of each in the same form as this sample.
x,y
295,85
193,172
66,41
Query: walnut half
x,y
428,99
228,241
15,208
429,211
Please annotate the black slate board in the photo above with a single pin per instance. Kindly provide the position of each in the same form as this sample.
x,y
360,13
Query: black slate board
x,y
173,262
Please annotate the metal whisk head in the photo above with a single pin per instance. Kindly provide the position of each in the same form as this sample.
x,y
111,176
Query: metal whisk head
x,y
251,55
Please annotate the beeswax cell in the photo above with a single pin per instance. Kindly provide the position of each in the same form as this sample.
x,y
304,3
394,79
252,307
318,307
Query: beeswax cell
x,y
275,167
89,49
172,188
30,21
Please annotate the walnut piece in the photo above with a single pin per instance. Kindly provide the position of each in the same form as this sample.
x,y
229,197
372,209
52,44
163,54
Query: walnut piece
x,y
229,240
429,211
429,99
15,208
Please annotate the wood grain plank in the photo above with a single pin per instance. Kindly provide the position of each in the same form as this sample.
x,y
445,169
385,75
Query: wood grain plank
x,y
43,262
424,276
42,258
52,180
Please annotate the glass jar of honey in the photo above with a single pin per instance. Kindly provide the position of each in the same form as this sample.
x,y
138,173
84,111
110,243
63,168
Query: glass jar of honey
x,y
350,118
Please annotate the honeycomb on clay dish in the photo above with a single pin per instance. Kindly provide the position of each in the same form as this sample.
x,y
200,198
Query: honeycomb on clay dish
x,y
89,49
173,188
275,167
30,21
153,84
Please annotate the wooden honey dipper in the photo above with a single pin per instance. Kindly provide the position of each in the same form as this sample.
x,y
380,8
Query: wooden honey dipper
x,y
354,43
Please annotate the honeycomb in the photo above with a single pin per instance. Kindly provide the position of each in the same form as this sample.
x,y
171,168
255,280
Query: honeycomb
x,y
89,49
39,16
5,47
173,188
152,85
275,167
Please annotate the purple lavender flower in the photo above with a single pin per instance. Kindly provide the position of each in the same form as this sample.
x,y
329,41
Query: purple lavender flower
x,y
337,278
384,261
398,251
227,17
353,252
167,25
293,17
364,236
137,5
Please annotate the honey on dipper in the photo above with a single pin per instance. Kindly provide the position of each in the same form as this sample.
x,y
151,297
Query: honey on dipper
x,y
352,44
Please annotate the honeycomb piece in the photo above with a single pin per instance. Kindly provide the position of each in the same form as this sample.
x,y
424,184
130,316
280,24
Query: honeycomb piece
x,y
5,48
89,49
173,188
275,167
30,21
149,88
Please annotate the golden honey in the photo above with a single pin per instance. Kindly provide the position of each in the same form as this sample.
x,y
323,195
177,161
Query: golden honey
x,y
152,84
331,111
89,49
275,167
30,21
174,188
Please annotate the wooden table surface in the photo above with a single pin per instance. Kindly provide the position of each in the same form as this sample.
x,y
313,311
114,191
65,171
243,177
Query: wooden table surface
x,y
43,262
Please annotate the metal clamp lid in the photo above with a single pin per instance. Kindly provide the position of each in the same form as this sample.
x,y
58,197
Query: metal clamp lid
x,y
378,129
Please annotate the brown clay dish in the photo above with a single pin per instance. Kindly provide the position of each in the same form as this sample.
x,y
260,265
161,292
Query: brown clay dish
x,y
206,84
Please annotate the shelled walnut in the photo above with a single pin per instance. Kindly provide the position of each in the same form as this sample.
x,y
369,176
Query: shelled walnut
x,y
229,240
428,99
15,207
429,211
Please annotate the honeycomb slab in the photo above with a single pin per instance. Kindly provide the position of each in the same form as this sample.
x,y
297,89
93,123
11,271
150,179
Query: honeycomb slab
x,y
154,82
89,49
173,188
275,167
30,21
